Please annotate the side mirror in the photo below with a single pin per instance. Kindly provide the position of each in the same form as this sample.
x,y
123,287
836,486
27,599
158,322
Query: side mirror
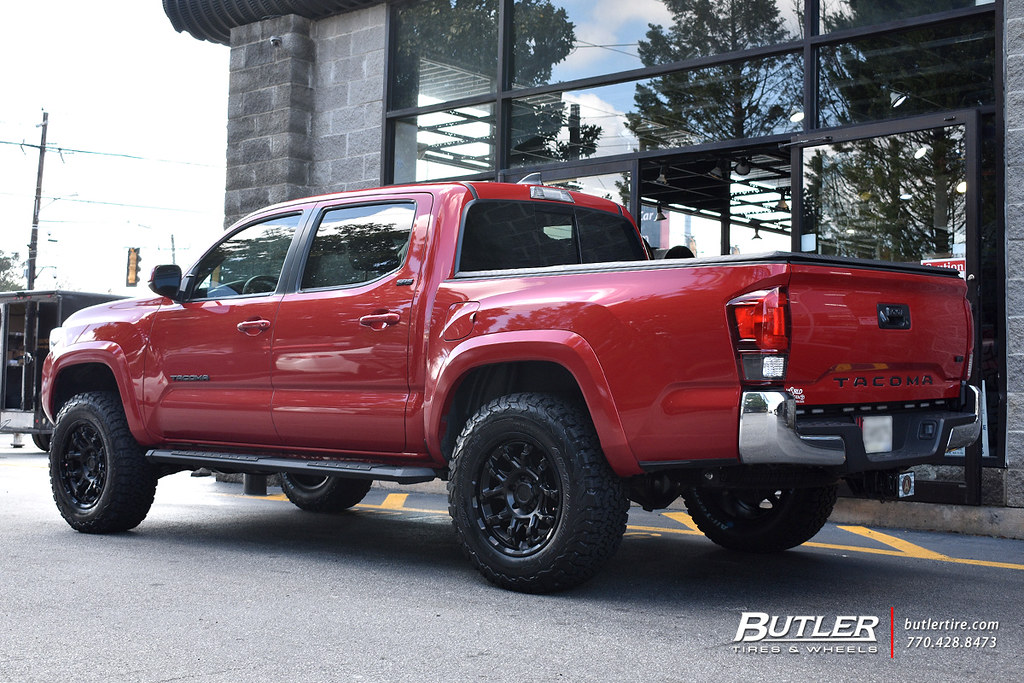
x,y
166,281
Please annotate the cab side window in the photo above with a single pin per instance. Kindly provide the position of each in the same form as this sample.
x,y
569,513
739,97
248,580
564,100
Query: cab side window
x,y
247,263
358,244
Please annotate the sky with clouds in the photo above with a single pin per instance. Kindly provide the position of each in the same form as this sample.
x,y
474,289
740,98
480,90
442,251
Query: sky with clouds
x,y
116,79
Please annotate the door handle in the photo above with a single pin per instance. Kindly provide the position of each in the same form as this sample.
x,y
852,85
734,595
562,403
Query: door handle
x,y
253,327
378,321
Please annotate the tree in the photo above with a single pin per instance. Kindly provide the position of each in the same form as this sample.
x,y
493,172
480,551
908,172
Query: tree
x,y
9,281
742,99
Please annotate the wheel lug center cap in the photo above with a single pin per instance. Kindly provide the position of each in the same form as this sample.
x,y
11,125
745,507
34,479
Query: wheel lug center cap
x,y
523,493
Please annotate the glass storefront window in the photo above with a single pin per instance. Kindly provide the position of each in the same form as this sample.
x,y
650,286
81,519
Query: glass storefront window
x,y
444,50
582,38
899,198
837,15
744,99
447,144
908,72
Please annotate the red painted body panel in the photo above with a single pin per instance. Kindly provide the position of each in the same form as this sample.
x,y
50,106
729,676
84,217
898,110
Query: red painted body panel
x,y
839,355
648,343
201,339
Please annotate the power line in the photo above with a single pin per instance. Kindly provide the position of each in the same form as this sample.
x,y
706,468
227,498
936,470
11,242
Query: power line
x,y
102,203
69,150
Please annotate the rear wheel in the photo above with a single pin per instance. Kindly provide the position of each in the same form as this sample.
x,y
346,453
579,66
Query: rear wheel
x,y
533,501
100,478
317,493
760,520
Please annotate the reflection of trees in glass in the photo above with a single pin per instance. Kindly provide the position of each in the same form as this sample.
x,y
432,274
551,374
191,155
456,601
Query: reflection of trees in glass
x,y
459,37
542,37
738,100
462,34
892,198
897,74
837,15
256,251
537,131
352,251
911,72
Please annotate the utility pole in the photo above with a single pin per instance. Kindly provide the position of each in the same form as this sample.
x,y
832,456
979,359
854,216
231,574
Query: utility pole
x,y
33,244
28,397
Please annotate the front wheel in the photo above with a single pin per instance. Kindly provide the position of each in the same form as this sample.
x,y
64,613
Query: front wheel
x,y
318,493
534,504
100,477
42,442
760,520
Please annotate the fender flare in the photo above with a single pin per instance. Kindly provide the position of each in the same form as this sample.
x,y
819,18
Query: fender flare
x,y
562,347
112,356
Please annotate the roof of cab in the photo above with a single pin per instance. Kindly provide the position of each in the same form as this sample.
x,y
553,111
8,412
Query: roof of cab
x,y
481,190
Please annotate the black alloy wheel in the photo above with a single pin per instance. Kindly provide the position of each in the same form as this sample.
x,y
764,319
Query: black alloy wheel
x,y
519,496
82,467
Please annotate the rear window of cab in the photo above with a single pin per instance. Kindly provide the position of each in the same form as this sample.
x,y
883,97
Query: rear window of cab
x,y
508,235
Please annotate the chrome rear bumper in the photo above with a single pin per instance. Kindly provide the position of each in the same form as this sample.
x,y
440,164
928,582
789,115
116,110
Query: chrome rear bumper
x,y
769,434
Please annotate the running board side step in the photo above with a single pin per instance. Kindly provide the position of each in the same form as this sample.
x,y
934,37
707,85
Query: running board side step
x,y
270,464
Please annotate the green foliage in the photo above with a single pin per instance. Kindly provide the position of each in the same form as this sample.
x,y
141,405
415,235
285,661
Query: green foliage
x,y
9,280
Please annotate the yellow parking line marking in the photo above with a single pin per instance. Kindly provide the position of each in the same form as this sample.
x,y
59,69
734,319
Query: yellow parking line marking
x,y
663,530
19,464
899,547
906,548
394,501
683,519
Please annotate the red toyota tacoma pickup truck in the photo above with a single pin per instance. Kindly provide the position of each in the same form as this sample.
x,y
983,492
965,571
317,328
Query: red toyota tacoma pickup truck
x,y
517,341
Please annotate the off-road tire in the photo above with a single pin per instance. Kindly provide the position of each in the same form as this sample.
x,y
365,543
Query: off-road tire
x,y
101,480
534,504
42,442
760,521
317,493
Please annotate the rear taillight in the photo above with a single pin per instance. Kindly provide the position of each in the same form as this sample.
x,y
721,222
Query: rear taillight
x,y
760,325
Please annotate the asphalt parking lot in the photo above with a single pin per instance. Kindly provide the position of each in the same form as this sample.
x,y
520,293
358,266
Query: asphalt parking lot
x,y
218,586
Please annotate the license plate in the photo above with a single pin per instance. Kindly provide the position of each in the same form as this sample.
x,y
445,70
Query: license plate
x,y
877,431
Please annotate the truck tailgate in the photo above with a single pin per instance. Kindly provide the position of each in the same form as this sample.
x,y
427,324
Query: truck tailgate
x,y
867,336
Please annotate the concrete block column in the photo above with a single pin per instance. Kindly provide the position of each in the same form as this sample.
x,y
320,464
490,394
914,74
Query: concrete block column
x,y
1014,121
270,108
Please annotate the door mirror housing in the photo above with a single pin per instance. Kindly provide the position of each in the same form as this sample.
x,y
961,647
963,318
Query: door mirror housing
x,y
166,281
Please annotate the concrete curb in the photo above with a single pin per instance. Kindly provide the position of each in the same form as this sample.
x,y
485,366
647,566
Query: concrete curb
x,y
957,519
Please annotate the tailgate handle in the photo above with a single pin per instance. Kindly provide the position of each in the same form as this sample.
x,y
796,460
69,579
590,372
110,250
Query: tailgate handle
x,y
894,316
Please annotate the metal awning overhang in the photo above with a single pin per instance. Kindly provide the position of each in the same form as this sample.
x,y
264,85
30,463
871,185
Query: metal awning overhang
x,y
213,20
